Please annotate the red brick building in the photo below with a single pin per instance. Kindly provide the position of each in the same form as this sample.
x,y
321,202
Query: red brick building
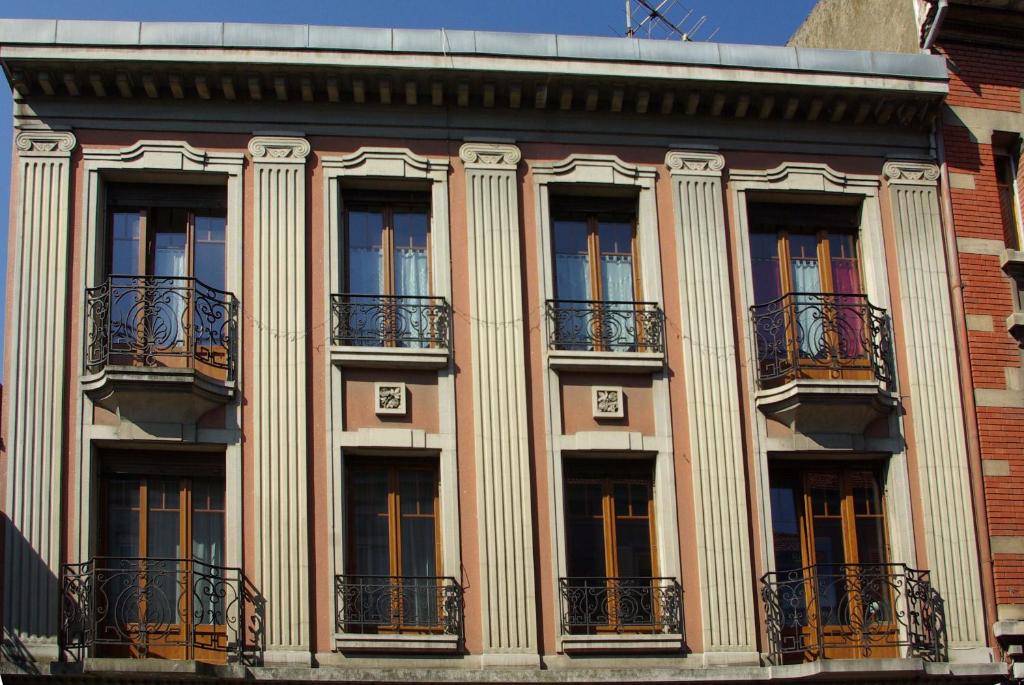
x,y
979,146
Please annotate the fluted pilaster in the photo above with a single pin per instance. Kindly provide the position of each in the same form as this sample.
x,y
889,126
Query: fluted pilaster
x,y
278,387
507,587
35,383
935,394
714,416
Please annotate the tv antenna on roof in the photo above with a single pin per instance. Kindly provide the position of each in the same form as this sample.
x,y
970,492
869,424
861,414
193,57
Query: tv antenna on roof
x,y
655,19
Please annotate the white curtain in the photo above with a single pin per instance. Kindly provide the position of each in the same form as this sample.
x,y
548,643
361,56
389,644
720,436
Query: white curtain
x,y
169,326
807,280
411,280
617,277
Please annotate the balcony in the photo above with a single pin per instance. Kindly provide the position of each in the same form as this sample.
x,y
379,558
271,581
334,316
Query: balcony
x,y
824,361
167,335
398,613
172,609
621,614
596,335
390,330
852,611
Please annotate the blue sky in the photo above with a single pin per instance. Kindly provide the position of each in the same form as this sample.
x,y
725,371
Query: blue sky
x,y
768,22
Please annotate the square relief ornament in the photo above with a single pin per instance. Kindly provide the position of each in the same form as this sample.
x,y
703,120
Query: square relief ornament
x,y
608,402
390,398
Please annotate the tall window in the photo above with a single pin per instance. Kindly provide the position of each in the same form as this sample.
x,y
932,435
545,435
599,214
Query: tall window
x,y
595,250
1009,200
394,552
610,547
162,560
831,555
386,239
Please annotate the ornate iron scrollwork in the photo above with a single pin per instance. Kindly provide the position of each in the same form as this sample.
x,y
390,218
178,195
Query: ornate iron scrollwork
x,y
398,604
147,320
635,605
613,326
862,610
390,321
801,333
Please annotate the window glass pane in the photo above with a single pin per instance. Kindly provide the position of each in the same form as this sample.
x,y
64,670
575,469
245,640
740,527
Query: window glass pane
x,y
369,526
764,258
843,253
633,548
803,257
209,239
411,253
365,253
163,532
616,241
585,529
122,535
125,237
786,505
170,238
572,261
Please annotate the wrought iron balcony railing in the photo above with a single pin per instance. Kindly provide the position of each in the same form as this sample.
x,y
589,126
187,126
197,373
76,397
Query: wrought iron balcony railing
x,y
398,604
802,335
624,605
591,325
390,321
156,320
170,608
853,611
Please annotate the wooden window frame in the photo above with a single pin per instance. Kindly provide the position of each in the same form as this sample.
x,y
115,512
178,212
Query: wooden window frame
x,y
593,220
616,475
393,467
387,207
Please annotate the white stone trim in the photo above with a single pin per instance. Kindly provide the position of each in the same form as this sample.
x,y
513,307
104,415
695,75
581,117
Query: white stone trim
x,y
177,162
387,164
932,371
507,585
610,171
828,183
38,336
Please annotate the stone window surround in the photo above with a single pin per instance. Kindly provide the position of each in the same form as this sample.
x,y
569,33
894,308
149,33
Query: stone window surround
x,y
610,171
816,179
596,171
388,165
174,162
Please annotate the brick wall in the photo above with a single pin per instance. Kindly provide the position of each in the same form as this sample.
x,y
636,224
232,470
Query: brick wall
x,y
991,79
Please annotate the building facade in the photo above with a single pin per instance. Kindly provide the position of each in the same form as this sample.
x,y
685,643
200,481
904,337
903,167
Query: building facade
x,y
980,155
453,356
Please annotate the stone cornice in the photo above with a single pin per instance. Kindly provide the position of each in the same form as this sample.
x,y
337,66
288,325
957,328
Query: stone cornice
x,y
388,162
45,143
694,163
587,168
490,155
279,149
914,172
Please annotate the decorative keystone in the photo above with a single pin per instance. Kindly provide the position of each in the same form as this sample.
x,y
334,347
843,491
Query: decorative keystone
x,y
390,399
608,402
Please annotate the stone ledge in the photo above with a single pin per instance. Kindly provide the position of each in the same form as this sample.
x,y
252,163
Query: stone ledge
x,y
622,643
609,362
347,642
825,405
390,357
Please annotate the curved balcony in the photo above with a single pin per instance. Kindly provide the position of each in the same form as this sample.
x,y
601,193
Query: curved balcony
x,y
178,609
851,611
823,350
412,613
390,330
154,334
596,335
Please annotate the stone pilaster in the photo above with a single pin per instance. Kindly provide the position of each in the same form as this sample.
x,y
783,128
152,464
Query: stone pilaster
x,y
709,353
507,587
935,395
35,385
277,389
